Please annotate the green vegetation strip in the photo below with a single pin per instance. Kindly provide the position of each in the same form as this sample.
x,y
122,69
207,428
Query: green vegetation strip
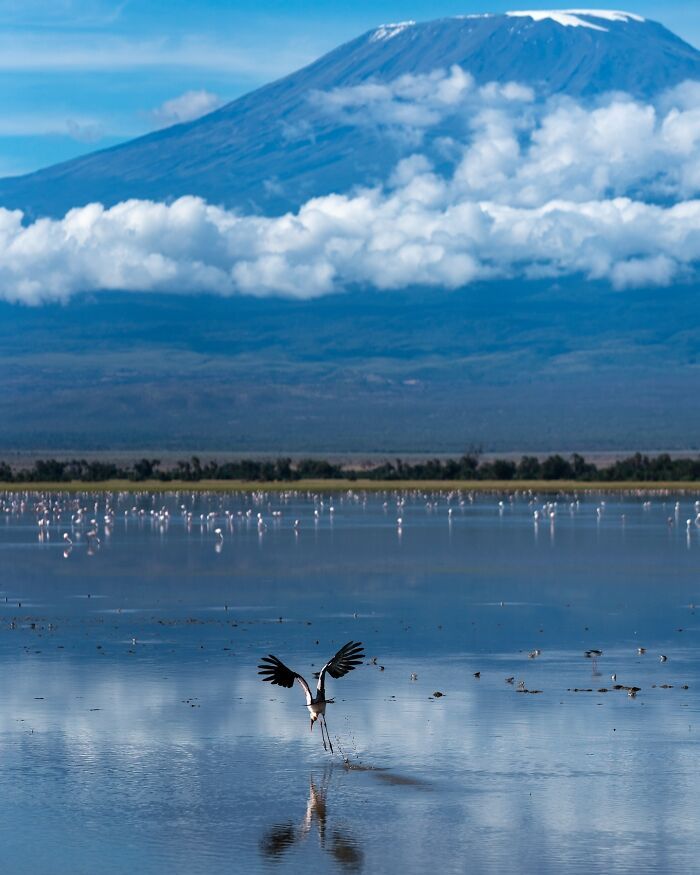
x,y
552,474
502,486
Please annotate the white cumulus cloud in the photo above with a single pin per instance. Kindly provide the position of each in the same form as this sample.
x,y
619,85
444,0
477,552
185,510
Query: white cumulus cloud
x,y
609,191
186,107
416,234
412,103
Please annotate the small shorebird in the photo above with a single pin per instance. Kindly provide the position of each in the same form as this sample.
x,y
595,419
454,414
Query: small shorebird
x,y
346,659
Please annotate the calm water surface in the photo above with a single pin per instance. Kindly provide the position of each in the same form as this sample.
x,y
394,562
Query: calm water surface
x,y
136,735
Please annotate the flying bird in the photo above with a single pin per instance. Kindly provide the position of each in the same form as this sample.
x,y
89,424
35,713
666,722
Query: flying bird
x,y
346,659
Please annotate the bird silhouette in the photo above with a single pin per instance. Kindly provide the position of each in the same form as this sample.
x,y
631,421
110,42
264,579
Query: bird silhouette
x,y
345,660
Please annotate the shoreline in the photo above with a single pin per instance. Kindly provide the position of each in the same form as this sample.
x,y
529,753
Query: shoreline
x,y
358,485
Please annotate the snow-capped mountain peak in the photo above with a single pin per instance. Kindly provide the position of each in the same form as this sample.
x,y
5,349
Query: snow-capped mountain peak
x,y
322,129
577,17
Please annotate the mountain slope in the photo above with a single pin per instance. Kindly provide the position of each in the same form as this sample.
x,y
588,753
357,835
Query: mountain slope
x,y
271,150
524,368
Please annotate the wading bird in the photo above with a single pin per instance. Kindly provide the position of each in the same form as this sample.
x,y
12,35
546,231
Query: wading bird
x,y
346,659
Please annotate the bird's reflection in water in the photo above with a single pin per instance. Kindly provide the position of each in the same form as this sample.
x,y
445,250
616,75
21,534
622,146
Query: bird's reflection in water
x,y
337,842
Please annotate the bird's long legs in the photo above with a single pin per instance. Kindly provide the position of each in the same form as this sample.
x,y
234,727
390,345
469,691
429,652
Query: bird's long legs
x,y
327,734
320,721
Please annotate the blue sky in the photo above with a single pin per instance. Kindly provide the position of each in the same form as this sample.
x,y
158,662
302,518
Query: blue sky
x,y
77,75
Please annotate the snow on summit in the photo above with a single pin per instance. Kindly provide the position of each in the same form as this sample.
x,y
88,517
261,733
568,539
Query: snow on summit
x,y
572,17
388,31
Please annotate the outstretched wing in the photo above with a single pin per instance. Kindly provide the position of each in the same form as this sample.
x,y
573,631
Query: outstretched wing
x,y
346,659
276,672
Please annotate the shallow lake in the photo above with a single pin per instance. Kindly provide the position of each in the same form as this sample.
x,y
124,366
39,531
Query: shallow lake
x,y
135,733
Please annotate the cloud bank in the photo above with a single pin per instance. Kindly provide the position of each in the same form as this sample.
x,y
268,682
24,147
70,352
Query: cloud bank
x,y
608,191
411,104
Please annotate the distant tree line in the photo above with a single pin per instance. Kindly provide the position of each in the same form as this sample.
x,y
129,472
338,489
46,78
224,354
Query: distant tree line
x,y
469,467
